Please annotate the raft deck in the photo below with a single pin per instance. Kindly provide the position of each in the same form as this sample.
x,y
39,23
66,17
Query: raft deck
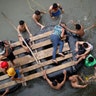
x,y
41,55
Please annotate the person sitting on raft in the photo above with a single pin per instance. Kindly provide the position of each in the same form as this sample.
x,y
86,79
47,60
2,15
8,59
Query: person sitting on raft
x,y
56,39
75,81
28,42
55,10
22,27
37,16
4,66
83,49
6,50
55,84
79,29
15,74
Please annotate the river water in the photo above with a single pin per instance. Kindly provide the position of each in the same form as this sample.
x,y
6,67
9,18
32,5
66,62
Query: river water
x,y
82,11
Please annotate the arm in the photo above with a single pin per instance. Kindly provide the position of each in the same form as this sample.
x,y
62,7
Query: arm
x,y
64,79
77,43
36,21
90,27
80,86
21,42
50,9
80,79
61,8
48,81
28,30
72,31
6,91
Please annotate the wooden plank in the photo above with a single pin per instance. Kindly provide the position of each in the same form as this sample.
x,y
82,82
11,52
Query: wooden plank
x,y
36,66
41,55
50,70
35,46
34,38
33,67
36,75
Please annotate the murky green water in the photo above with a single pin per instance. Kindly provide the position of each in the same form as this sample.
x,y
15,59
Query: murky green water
x,y
82,11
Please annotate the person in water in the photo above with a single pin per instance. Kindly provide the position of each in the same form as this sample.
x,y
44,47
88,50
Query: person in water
x,y
6,50
83,49
58,33
37,16
74,79
79,30
55,84
55,10
22,27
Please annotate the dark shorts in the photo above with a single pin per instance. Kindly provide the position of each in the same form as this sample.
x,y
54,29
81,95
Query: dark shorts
x,y
11,56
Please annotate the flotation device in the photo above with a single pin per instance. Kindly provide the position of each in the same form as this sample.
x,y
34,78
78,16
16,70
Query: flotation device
x,y
90,61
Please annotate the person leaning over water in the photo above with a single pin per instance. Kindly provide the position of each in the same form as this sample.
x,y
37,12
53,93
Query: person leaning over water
x,y
55,84
56,39
37,16
6,50
22,27
79,29
83,49
74,79
55,10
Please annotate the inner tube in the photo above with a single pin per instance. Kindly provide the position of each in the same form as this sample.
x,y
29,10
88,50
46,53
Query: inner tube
x,y
71,39
90,61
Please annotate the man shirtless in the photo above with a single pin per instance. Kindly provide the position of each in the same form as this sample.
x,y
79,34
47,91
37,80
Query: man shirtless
x,y
22,27
79,29
37,16
75,81
55,84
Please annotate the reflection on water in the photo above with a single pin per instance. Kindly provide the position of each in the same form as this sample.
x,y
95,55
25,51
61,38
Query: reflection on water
x,y
82,11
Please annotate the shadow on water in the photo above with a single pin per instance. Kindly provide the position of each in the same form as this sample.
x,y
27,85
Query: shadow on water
x,y
82,11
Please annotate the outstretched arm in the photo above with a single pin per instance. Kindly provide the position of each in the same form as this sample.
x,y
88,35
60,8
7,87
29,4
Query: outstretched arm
x,y
64,79
47,79
6,91
90,27
80,86
36,21
28,30
80,79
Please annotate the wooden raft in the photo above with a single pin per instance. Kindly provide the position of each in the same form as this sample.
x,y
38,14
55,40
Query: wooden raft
x,y
40,55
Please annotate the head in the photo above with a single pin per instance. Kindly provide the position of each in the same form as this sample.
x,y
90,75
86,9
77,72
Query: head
x,y
4,65
55,6
90,59
54,83
78,26
37,12
11,71
85,45
21,22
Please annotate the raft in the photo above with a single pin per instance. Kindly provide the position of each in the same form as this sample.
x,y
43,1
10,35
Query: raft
x,y
42,50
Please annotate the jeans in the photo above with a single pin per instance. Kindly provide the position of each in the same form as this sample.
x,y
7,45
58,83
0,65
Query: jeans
x,y
55,42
